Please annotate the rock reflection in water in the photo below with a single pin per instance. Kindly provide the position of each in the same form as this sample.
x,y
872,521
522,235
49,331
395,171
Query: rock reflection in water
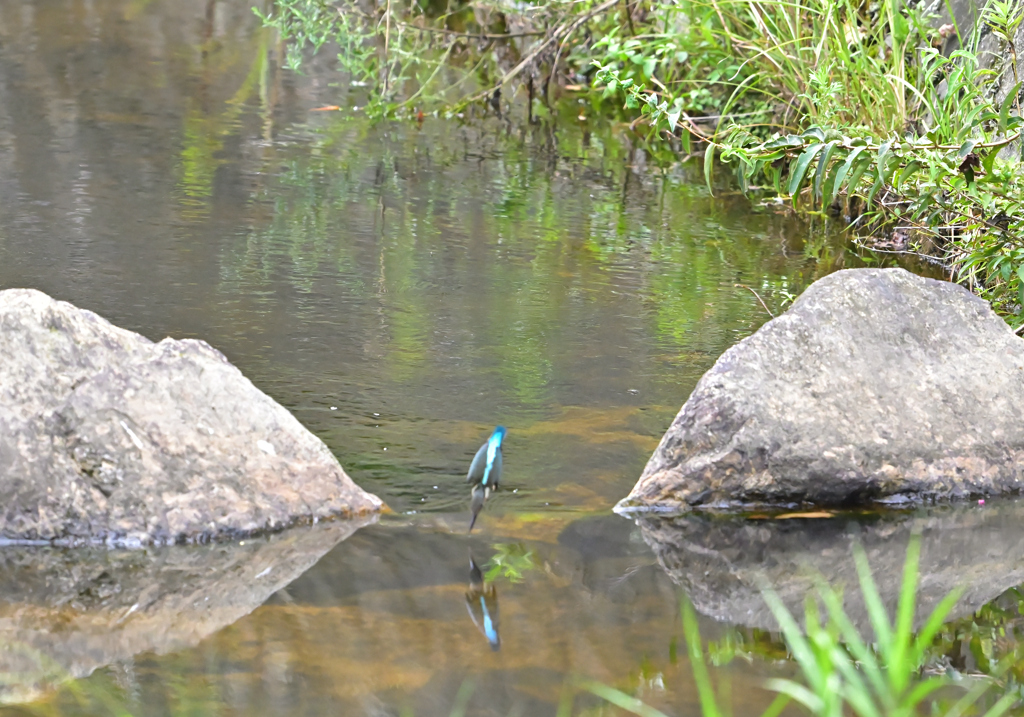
x,y
722,561
65,613
482,603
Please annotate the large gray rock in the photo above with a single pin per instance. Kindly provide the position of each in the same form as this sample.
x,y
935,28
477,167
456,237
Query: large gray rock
x,y
108,437
876,384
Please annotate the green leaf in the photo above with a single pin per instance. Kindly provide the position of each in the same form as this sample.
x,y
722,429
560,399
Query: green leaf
x,y
819,177
912,167
828,189
888,172
883,156
844,170
988,160
900,28
874,189
966,148
796,176
859,168
1004,111
816,133
790,140
741,177
709,161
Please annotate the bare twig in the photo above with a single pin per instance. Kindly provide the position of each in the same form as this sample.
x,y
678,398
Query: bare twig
x,y
629,18
744,286
387,39
562,30
903,252
478,35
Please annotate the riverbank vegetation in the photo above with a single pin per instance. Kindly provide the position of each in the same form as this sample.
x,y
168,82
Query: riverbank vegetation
x,y
839,107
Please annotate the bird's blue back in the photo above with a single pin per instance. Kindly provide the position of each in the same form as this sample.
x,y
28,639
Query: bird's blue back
x,y
486,466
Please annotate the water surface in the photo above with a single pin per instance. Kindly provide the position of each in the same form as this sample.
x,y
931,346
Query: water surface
x,y
402,288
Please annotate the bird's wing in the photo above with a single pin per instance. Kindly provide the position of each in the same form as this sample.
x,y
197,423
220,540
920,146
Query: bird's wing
x,y
476,468
495,475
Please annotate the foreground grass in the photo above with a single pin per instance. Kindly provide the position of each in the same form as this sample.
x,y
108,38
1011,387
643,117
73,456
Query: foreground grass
x,y
843,671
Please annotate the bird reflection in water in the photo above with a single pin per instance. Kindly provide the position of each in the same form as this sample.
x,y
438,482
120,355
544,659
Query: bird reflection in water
x,y
482,603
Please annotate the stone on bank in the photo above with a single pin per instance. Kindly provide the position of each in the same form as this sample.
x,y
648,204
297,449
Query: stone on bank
x,y
876,385
107,437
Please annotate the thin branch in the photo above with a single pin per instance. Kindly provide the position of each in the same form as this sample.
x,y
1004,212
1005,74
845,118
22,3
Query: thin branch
x,y
476,35
903,252
560,32
744,286
387,39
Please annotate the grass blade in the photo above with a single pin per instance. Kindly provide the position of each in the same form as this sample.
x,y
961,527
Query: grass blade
x,y
872,601
854,642
900,667
797,692
705,690
999,708
623,701
795,639
462,699
922,689
778,704
931,627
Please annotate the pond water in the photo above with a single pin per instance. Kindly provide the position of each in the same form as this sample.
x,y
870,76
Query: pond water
x,y
402,288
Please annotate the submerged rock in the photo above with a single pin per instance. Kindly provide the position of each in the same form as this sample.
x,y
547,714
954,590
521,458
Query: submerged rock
x,y
876,385
64,613
108,437
723,562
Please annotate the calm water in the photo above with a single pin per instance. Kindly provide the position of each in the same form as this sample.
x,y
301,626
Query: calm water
x,y
402,288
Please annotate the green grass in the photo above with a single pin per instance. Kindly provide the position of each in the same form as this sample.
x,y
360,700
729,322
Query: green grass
x,y
843,671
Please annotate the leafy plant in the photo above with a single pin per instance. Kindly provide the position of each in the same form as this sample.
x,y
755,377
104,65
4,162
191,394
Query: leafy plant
x,y
841,671
870,122
510,561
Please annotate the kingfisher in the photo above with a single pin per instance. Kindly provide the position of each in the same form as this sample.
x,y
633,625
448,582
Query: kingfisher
x,y
485,472
482,603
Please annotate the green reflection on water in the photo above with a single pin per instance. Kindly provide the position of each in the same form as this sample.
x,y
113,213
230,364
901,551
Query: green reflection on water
x,y
467,275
